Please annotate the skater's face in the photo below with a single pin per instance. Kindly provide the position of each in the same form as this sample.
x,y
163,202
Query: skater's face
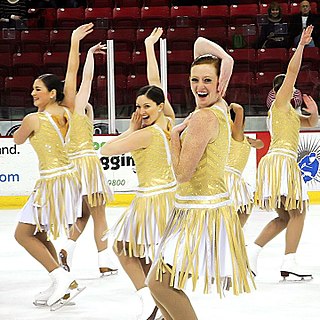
x,y
149,110
204,85
41,95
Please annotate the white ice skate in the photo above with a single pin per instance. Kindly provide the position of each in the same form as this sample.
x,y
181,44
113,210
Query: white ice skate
x,y
66,254
107,264
42,297
253,251
63,284
291,271
147,304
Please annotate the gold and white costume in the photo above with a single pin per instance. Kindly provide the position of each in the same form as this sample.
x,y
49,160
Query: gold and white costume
x,y
56,200
278,171
241,193
87,162
142,225
203,236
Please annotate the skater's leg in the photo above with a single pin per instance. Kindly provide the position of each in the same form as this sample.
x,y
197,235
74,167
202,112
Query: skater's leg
x,y
172,302
24,235
145,266
43,237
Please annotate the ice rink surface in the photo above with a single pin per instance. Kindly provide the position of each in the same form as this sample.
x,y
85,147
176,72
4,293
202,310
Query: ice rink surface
x,y
113,298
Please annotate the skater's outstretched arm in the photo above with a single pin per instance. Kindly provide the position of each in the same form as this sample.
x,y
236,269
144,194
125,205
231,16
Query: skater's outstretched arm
x,y
203,46
237,127
153,69
285,92
30,124
83,95
70,85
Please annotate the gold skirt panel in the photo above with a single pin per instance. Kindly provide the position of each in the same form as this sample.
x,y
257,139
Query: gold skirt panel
x,y
279,175
141,226
240,192
205,243
93,180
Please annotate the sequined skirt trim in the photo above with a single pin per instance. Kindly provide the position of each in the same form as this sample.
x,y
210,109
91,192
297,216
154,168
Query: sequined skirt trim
x,y
206,243
279,175
240,192
141,226
94,183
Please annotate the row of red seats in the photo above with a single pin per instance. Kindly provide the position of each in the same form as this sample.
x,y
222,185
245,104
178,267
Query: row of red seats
x,y
179,61
245,88
176,16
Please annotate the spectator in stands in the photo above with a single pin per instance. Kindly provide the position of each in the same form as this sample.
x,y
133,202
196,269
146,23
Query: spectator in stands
x,y
12,12
300,21
268,35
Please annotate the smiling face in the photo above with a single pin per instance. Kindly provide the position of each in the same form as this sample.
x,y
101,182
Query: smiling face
x,y
148,109
41,95
204,85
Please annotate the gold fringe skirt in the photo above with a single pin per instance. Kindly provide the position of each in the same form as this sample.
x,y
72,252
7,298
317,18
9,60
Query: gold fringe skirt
x,y
205,243
141,226
55,204
93,180
240,191
279,175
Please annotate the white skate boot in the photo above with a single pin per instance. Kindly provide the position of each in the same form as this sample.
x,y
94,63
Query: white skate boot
x,y
107,264
66,254
147,303
291,271
63,284
42,297
253,251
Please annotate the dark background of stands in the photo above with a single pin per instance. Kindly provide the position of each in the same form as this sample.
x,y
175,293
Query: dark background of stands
x,y
41,43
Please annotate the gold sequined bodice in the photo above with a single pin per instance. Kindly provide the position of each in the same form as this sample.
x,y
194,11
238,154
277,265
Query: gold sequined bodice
x,y
81,134
152,163
208,179
284,129
239,154
49,144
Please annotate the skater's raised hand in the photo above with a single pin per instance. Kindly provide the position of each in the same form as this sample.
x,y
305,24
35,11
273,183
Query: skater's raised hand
x,y
135,121
82,31
154,36
98,48
306,36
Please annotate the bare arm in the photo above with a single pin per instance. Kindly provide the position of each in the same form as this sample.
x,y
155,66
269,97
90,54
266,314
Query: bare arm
x,y
70,86
204,46
136,140
29,124
312,108
153,69
285,92
237,127
255,143
202,127
83,95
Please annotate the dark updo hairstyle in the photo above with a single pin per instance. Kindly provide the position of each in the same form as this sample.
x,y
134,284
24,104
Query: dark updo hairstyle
x,y
208,59
233,115
52,82
153,93
277,82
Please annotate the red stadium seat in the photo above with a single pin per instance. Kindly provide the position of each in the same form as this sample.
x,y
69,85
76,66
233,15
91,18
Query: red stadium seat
x,y
27,64
213,16
60,40
101,17
243,14
9,40
244,60
272,59
308,82
310,59
139,62
125,17
96,36
134,83
248,34
141,35
100,3
34,40
216,34
263,84
157,3
240,88
184,16
128,3
123,62
49,17
179,61
56,63
5,64
124,39
152,17
181,38
70,17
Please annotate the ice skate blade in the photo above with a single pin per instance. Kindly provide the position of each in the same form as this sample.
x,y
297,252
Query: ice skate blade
x,y
64,302
294,277
109,273
43,304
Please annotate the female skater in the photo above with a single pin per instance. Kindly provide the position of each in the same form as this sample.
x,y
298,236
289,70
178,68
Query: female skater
x,y
95,191
55,202
241,193
279,183
203,237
